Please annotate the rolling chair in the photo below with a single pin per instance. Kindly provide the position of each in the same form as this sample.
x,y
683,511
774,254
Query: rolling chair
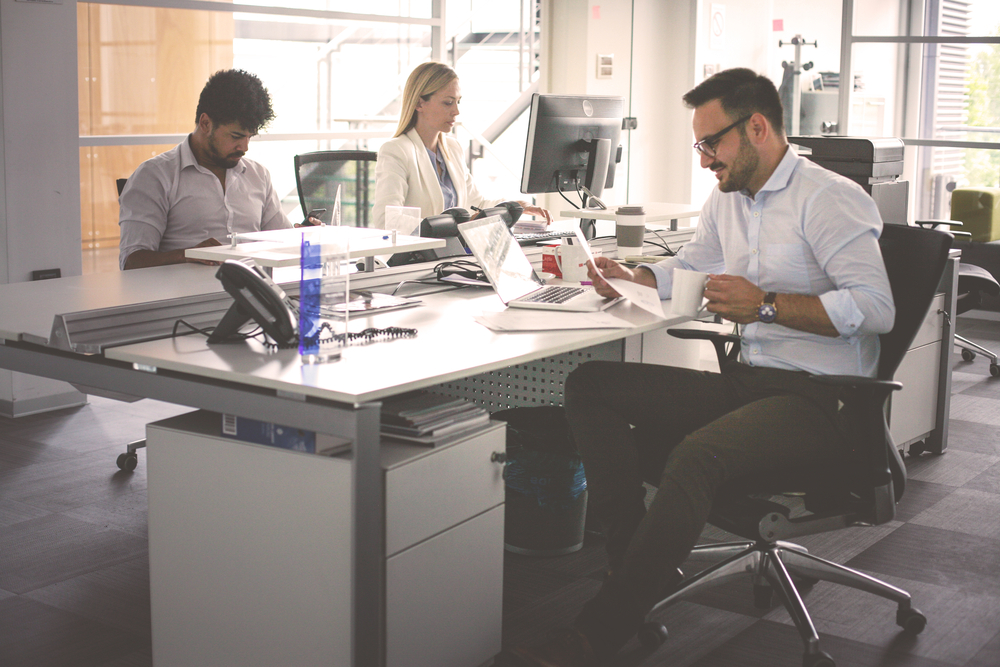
x,y
864,491
318,174
974,282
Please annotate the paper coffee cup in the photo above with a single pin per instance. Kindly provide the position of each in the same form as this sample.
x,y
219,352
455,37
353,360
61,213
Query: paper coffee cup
x,y
630,229
688,296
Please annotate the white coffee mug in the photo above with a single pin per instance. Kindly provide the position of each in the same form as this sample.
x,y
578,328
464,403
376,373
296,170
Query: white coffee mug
x,y
688,296
572,261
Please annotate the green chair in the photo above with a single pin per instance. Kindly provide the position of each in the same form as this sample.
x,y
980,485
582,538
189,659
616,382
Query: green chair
x,y
979,211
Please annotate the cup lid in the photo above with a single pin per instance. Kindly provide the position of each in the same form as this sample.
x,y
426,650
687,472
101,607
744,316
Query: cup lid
x,y
631,210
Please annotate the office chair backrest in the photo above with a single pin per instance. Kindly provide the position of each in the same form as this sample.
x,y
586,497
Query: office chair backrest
x,y
318,174
914,261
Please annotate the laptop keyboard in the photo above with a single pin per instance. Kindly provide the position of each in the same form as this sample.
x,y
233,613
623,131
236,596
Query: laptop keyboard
x,y
529,238
554,294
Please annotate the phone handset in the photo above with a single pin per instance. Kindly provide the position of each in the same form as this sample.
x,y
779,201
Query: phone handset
x,y
255,297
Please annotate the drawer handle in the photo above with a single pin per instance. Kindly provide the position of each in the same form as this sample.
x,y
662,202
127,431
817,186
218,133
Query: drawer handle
x,y
498,457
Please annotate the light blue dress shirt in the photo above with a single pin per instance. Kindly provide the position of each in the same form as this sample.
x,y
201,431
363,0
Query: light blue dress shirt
x,y
444,179
808,231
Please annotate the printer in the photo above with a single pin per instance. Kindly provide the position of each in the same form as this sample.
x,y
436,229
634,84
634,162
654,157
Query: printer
x,y
874,163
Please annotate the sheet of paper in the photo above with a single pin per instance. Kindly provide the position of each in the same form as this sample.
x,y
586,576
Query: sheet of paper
x,y
646,298
524,319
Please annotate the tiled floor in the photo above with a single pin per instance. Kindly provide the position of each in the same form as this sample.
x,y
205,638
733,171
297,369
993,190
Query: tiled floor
x,y
74,576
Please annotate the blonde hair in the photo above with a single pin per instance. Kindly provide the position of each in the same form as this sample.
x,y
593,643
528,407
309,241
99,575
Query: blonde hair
x,y
425,80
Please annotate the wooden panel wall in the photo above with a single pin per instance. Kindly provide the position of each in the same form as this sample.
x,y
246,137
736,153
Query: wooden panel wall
x,y
141,71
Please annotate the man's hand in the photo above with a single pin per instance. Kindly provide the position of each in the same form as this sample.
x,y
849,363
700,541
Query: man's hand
x,y
733,297
609,268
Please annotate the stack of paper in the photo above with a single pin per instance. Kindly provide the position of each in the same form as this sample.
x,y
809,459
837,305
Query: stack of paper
x,y
529,226
430,419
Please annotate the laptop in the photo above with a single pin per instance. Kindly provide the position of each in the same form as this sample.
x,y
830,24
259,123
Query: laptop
x,y
509,271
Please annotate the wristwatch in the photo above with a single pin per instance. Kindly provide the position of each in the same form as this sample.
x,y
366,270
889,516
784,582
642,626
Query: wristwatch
x,y
767,312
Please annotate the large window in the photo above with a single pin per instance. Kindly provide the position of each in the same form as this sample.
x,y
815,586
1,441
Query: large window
x,y
939,65
335,78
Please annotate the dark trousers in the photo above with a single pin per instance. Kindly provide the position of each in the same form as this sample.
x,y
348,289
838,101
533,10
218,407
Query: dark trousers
x,y
688,432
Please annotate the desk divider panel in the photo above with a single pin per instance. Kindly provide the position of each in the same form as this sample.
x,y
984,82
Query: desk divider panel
x,y
530,384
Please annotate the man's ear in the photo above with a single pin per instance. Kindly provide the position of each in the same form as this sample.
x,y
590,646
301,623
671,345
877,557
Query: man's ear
x,y
205,124
758,128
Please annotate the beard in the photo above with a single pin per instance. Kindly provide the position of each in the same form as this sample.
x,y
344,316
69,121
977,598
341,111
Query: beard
x,y
215,155
741,170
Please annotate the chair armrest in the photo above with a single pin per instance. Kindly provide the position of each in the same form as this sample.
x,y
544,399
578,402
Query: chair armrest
x,y
719,340
931,224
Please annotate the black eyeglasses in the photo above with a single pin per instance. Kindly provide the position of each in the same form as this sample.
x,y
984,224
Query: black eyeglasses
x,y
707,145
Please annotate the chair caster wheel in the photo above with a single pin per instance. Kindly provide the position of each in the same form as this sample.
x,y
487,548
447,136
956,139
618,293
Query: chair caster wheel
x,y
911,620
968,355
819,659
127,462
762,596
994,370
652,635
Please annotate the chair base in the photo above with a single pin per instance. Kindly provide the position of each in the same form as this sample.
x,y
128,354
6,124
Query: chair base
x,y
970,349
774,566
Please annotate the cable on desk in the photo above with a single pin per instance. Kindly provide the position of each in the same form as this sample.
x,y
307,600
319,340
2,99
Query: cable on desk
x,y
365,336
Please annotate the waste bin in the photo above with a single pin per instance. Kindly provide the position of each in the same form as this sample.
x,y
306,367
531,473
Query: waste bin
x,y
546,487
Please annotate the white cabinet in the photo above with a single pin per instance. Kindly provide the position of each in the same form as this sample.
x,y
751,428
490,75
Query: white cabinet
x,y
250,550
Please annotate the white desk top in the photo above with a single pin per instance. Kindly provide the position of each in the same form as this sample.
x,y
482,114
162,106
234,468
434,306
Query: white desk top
x,y
28,308
450,345
282,247
655,212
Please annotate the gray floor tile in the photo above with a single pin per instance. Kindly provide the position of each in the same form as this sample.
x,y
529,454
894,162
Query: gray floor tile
x,y
36,635
116,596
56,548
946,558
973,437
953,468
966,510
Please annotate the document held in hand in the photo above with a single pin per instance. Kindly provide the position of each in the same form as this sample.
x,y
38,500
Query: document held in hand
x,y
646,298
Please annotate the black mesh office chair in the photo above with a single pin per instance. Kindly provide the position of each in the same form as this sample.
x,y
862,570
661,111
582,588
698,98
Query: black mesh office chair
x,y
974,282
318,174
863,492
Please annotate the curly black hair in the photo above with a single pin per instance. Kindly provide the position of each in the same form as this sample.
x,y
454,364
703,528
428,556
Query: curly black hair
x,y
236,95
741,92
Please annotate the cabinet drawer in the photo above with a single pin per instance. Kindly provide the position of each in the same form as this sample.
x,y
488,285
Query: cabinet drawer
x,y
913,409
431,493
930,330
444,597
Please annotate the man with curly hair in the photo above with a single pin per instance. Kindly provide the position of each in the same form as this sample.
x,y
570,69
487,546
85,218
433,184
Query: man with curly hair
x,y
204,189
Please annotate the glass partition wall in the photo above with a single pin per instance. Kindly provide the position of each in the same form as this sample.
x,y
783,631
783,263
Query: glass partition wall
x,y
335,76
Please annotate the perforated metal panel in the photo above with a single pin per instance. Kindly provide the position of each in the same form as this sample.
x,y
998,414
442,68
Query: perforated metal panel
x,y
536,383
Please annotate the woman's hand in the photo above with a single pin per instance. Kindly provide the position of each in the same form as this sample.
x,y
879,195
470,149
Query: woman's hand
x,y
536,211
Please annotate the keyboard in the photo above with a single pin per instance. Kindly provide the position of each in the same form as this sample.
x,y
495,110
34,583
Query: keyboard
x,y
538,237
554,294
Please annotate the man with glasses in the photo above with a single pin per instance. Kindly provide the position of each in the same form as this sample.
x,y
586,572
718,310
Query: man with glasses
x,y
792,254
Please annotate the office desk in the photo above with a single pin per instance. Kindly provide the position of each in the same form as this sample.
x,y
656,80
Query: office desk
x,y
339,399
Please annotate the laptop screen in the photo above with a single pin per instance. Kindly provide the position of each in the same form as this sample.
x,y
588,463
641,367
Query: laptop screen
x,y
501,257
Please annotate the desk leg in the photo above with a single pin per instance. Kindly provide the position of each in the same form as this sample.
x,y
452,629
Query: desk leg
x,y
937,441
369,539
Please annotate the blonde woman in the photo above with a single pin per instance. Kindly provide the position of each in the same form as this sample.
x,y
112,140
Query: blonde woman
x,y
423,165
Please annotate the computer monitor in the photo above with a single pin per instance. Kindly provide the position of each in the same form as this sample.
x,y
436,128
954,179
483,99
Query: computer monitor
x,y
573,141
